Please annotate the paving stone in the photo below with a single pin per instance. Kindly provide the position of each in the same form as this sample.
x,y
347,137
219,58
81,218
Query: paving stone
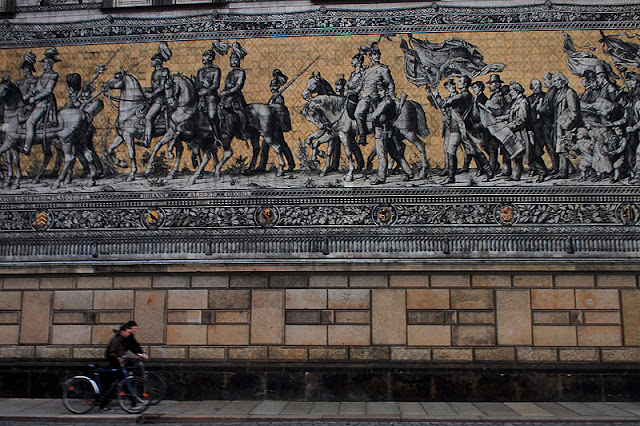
x,y
411,410
297,408
528,409
439,409
353,408
325,408
269,408
383,408
466,409
238,407
496,409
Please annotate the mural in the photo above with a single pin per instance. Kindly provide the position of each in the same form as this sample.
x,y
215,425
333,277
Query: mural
x,y
405,145
358,109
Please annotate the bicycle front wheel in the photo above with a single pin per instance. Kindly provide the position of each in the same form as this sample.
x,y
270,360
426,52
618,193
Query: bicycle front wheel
x,y
132,395
79,395
156,387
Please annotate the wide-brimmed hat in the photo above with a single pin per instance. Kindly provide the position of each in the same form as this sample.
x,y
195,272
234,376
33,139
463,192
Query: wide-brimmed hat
x,y
28,61
51,54
495,78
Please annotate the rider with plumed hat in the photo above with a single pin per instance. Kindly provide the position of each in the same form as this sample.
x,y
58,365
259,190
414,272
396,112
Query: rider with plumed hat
x,y
156,93
231,98
208,82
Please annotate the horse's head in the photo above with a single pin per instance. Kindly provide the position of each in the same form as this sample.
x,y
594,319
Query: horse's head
x,y
313,83
4,87
117,82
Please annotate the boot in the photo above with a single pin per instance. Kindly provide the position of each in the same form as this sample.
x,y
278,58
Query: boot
x,y
467,162
453,166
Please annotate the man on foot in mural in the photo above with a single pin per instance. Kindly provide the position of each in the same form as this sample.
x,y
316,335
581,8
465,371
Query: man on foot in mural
x,y
42,99
231,98
536,98
156,93
284,121
566,106
376,72
497,105
547,116
208,81
382,118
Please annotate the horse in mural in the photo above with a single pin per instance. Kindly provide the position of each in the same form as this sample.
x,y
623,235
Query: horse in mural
x,y
69,137
329,113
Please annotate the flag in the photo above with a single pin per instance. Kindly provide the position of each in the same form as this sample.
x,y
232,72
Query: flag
x,y
580,61
430,63
623,53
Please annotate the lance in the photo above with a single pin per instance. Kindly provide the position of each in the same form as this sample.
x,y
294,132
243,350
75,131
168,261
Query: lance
x,y
286,86
102,67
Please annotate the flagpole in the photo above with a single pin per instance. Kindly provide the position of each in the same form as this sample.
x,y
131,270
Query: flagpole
x,y
620,73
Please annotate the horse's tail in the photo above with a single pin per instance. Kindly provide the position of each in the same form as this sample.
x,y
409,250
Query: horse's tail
x,y
422,127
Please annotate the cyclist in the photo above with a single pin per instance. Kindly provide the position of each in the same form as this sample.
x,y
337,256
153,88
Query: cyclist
x,y
115,355
132,344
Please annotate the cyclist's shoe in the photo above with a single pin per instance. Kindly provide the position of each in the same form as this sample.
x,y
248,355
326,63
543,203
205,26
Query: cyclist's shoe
x,y
106,408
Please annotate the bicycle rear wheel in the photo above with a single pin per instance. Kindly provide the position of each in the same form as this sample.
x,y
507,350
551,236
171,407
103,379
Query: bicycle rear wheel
x,y
156,387
79,395
132,395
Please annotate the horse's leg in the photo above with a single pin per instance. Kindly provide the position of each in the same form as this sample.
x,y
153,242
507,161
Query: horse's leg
x,y
132,156
255,150
8,161
179,146
69,159
47,154
17,171
165,140
203,162
278,150
286,151
347,151
419,144
226,154
111,151
330,149
87,154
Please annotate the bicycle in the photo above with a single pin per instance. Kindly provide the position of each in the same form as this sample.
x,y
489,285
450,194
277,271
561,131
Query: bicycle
x,y
156,385
81,393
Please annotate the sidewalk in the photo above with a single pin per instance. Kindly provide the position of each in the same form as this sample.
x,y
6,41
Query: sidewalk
x,y
33,410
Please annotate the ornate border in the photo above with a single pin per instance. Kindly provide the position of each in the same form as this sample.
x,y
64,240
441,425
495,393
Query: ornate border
x,y
324,21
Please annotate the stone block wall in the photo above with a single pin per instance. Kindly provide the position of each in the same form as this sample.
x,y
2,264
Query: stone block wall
x,y
380,317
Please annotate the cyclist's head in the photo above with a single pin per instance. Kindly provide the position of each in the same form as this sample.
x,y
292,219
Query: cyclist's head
x,y
124,330
133,326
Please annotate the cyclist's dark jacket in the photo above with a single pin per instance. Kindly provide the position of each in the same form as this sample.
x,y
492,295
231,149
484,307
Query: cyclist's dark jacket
x,y
115,350
132,344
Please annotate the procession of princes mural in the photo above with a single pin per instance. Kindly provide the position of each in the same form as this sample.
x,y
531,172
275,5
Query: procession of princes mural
x,y
493,130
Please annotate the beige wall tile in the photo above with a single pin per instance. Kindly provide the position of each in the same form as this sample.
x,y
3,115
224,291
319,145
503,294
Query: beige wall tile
x,y
36,317
70,300
88,352
288,281
372,354
114,317
631,316
471,299
532,280
184,317
206,352
349,299
170,281
187,299
473,335
252,353
113,299
429,335
513,317
17,352
389,317
536,355
233,334
328,281
283,353
554,335
229,299
91,282
10,300
306,335
368,280
352,317
495,354
53,352
579,355
52,283
551,317
450,280
410,354
597,299
409,280
493,281
617,280
71,335
20,283
249,281
9,334
601,317
10,318
328,354
212,281
552,299
575,280
456,355
347,335
167,352
267,317
621,355
428,299
476,317
150,306
131,281
306,299
68,318
232,317
102,334
599,335
187,334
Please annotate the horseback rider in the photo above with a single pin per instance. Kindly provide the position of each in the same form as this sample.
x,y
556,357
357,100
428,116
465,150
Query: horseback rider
x,y
231,99
42,99
373,74
28,80
208,81
353,84
156,93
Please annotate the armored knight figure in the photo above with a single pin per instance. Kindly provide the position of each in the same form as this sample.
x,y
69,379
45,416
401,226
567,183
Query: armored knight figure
x,y
231,97
208,80
28,80
156,93
42,99
375,73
